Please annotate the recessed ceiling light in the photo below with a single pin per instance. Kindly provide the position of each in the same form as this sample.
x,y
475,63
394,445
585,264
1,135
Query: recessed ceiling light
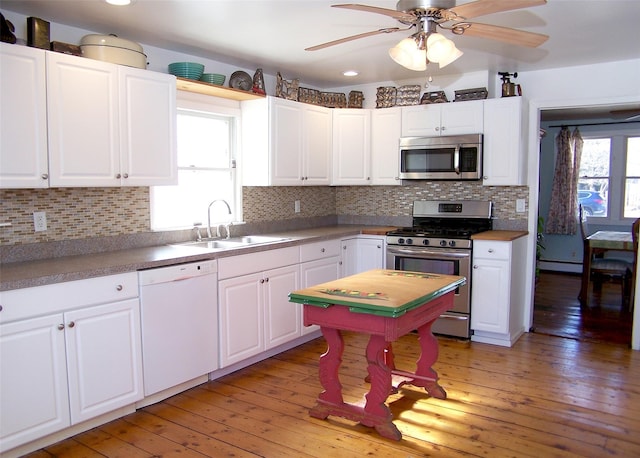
x,y
119,2
350,73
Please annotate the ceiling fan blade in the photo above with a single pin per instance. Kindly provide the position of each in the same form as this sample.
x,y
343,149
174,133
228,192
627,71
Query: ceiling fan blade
x,y
353,37
504,34
399,15
482,7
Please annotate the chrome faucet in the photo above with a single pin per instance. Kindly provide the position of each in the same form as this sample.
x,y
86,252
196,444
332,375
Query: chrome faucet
x,y
209,215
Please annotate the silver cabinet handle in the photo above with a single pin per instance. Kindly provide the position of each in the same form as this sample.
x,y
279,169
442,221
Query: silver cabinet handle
x,y
490,250
126,175
379,246
118,176
322,250
71,324
475,267
44,176
60,327
266,280
119,288
262,280
443,128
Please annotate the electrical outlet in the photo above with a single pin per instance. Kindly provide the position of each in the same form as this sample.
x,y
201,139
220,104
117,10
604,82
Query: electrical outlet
x,y
39,221
296,206
520,205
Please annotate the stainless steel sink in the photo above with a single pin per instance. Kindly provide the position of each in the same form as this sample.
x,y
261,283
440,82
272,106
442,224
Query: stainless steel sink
x,y
234,242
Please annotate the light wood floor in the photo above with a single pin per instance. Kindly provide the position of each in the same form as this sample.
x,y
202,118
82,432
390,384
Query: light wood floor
x,y
545,397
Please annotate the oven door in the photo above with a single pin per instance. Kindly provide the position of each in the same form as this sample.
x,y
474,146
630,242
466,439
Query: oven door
x,y
449,261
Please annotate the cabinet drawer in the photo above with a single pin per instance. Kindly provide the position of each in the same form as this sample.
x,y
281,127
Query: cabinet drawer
x,y
249,263
24,303
491,250
319,250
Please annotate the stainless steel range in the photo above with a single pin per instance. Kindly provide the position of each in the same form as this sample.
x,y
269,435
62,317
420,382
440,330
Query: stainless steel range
x,y
440,242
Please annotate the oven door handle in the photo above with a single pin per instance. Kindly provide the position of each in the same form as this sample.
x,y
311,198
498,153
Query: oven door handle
x,y
438,253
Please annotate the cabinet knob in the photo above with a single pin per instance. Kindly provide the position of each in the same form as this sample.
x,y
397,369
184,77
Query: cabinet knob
x,y
322,250
379,246
490,250
437,129
126,175
266,280
118,176
44,176
0,308
71,324
475,267
442,128
60,327
119,288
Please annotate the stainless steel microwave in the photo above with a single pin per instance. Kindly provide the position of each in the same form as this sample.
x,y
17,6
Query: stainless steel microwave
x,y
456,157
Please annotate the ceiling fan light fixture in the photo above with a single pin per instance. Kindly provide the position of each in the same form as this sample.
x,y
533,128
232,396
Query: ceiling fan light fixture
x,y
407,54
453,55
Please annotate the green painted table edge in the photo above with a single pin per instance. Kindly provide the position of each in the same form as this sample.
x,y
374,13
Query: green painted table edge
x,y
356,307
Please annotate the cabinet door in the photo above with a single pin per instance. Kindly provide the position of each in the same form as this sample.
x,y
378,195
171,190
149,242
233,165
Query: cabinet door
x,y
33,380
386,126
83,121
317,144
104,358
349,256
286,142
282,318
421,120
241,318
460,118
504,161
370,254
148,154
351,147
316,272
23,123
490,296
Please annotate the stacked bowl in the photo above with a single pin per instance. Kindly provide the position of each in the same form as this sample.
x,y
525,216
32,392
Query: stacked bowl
x,y
213,78
190,70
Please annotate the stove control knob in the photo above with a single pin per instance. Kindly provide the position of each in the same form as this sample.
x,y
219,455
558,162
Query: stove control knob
x,y
425,242
443,243
409,241
400,241
452,243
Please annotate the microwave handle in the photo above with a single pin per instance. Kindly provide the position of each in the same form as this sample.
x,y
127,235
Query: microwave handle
x,y
456,160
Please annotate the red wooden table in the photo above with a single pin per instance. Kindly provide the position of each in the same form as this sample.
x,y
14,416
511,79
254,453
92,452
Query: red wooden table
x,y
386,304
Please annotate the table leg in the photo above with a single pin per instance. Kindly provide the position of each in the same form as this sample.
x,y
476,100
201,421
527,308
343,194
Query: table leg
x,y
376,411
329,366
586,267
429,355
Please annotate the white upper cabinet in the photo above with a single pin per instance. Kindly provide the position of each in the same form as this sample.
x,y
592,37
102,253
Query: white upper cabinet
x,y
285,143
385,139
438,119
351,147
504,157
23,118
109,125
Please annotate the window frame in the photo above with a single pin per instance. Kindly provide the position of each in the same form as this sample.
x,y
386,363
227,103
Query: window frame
x,y
194,102
618,133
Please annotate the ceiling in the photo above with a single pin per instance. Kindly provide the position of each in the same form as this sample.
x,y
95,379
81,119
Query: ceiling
x,y
272,34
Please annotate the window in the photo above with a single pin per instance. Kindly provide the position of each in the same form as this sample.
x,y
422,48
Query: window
x,y
632,179
593,184
609,183
206,172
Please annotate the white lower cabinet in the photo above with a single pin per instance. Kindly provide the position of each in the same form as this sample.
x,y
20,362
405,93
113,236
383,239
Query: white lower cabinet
x,y
319,263
363,253
70,352
255,312
497,301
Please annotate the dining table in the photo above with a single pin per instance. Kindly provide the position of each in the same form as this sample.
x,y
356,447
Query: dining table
x,y
386,305
599,243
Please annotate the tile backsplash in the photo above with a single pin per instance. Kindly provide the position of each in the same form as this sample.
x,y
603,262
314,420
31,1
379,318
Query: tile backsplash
x,y
81,213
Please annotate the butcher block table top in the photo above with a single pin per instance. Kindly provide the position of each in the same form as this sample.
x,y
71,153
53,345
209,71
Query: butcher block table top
x,y
500,236
380,292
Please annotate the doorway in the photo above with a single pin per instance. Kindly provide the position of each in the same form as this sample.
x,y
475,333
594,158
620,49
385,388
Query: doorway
x,y
556,309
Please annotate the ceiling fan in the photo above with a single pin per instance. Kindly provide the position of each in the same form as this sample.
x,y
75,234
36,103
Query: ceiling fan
x,y
426,44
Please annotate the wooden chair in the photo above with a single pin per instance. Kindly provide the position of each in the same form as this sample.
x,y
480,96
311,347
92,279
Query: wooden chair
x,y
604,268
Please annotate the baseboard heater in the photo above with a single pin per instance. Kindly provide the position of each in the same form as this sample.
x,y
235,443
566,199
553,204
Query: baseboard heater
x,y
561,266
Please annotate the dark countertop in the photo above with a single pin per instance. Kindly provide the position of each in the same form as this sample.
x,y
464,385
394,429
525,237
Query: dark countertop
x,y
35,273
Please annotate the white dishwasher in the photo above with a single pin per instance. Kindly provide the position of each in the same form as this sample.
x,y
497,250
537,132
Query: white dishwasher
x,y
179,315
